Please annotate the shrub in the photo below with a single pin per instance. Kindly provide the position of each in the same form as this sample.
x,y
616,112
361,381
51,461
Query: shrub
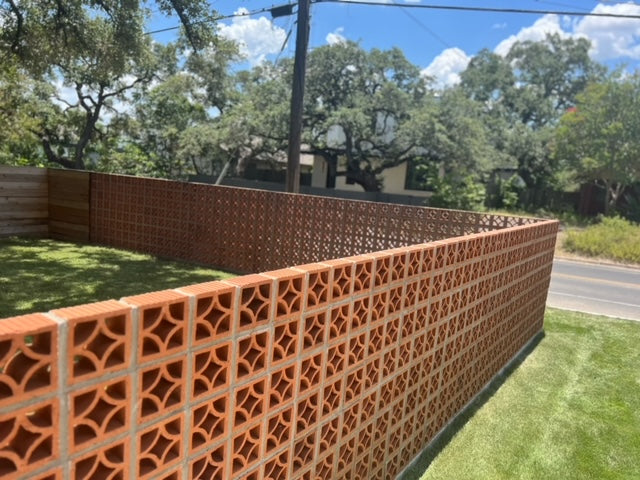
x,y
459,193
614,238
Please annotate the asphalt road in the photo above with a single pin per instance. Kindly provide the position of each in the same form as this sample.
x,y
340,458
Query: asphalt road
x,y
598,289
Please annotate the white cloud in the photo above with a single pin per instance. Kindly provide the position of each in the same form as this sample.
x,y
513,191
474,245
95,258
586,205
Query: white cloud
x,y
568,22
445,68
336,36
548,24
612,38
65,94
257,38
499,26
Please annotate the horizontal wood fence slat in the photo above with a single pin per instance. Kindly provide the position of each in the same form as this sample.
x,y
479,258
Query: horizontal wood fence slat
x,y
23,201
69,205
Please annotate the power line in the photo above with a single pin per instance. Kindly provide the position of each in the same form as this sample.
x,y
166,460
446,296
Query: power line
x,y
427,29
483,9
223,17
429,7
286,41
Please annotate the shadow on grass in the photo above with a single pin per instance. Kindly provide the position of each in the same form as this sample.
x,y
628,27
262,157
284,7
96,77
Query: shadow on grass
x,y
422,462
40,275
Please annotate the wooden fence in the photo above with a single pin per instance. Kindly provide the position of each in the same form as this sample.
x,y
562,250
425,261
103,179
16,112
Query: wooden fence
x,y
69,205
23,201
45,203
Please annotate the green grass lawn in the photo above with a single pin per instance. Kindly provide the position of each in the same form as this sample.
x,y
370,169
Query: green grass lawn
x,y
39,274
570,410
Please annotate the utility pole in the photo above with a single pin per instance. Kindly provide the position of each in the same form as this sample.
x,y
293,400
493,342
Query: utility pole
x,y
297,95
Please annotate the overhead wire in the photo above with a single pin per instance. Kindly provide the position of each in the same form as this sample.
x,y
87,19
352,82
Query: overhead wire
x,y
286,40
426,29
406,6
222,17
482,9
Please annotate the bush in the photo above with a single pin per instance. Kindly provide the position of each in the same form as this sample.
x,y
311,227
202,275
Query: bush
x,y
505,194
614,238
630,205
457,193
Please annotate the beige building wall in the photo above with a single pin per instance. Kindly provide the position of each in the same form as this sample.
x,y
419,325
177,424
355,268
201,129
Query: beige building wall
x,y
393,180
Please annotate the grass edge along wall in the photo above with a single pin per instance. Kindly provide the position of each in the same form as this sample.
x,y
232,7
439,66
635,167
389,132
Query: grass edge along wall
x,y
337,369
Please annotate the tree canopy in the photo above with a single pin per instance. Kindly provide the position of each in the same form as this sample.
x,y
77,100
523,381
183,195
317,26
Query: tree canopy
x,y
598,139
45,33
364,112
96,53
524,94
83,86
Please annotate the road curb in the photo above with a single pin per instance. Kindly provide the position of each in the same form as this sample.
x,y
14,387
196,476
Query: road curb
x,y
611,317
590,261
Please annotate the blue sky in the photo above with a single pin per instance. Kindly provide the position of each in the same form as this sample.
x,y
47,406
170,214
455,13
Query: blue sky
x,y
439,42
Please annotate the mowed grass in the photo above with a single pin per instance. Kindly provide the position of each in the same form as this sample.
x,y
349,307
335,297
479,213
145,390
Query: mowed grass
x,y
570,410
40,274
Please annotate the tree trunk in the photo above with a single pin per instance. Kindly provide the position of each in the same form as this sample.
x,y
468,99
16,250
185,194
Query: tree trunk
x,y
607,197
367,180
52,156
85,137
332,170
615,194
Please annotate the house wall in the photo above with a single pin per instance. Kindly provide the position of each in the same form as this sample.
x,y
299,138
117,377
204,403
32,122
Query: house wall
x,y
319,173
342,368
393,180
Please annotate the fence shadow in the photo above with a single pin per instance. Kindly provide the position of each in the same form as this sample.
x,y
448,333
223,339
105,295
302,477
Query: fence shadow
x,y
41,274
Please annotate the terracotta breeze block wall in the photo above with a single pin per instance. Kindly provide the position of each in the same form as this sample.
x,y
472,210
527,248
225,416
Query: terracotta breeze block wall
x,y
250,231
343,369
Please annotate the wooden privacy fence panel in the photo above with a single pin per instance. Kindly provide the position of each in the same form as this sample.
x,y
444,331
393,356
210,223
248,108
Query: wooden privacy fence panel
x,y
23,201
69,205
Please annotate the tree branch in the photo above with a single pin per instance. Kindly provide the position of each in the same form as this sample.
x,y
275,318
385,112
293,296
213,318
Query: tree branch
x,y
51,155
69,105
105,7
15,44
124,88
83,98
186,23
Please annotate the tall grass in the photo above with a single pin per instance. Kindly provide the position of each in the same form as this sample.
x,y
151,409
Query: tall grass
x,y
614,238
